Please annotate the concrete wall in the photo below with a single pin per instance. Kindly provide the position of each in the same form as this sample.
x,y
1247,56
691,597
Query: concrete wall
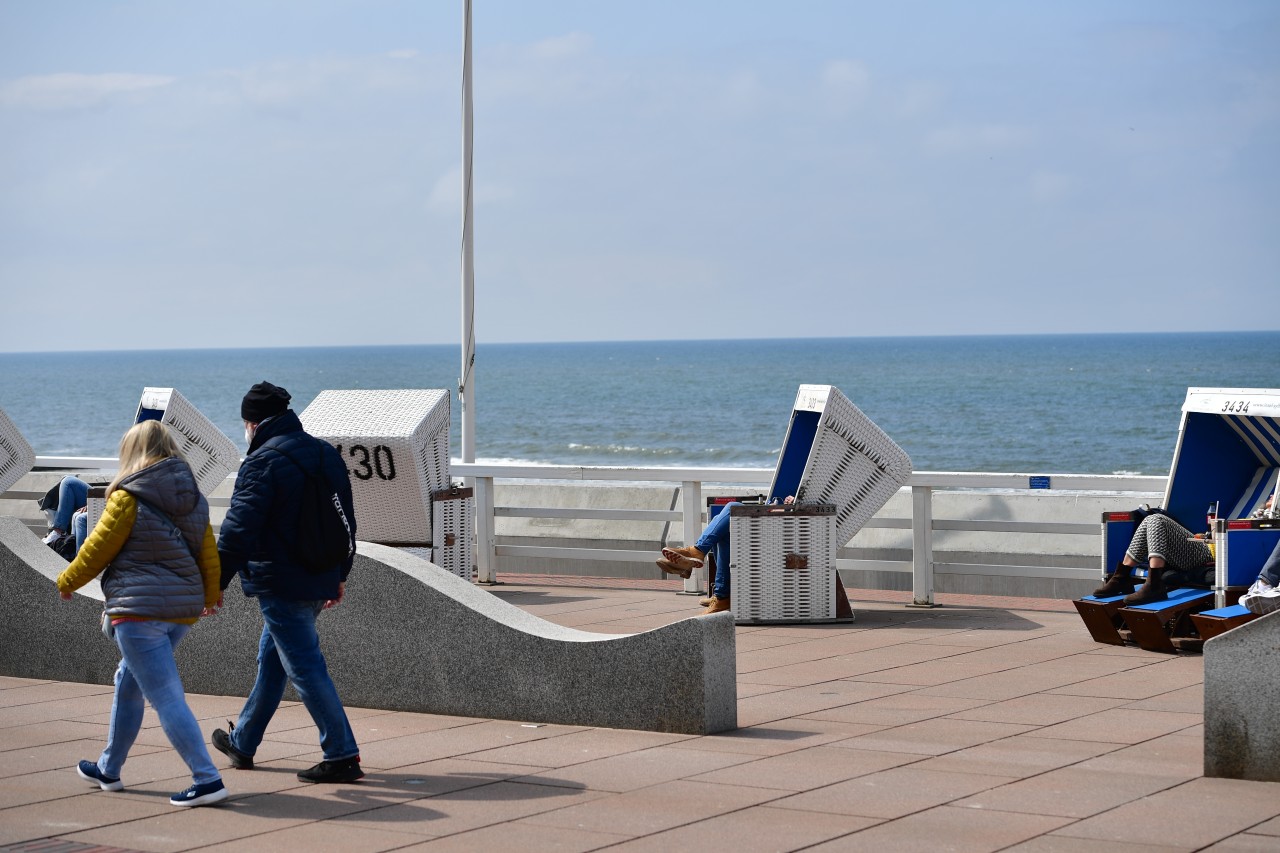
x,y
409,636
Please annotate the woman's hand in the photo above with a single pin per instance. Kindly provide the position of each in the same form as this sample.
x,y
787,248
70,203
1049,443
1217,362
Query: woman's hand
x,y
65,596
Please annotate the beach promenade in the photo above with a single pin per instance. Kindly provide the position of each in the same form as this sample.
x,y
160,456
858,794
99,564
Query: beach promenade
x,y
984,724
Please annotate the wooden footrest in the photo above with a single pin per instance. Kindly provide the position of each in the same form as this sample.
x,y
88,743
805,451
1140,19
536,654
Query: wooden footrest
x,y
1100,617
1151,624
1211,623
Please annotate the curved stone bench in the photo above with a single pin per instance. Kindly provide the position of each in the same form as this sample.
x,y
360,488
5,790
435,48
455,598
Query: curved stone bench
x,y
408,637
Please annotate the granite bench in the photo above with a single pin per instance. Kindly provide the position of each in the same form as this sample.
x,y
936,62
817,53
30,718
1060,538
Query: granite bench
x,y
409,636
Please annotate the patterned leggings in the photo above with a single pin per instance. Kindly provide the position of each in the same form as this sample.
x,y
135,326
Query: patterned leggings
x,y
1161,536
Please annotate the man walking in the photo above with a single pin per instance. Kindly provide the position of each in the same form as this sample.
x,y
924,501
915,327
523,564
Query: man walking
x,y
259,541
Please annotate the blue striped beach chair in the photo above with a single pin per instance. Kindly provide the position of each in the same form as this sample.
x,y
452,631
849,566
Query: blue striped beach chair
x,y
1227,457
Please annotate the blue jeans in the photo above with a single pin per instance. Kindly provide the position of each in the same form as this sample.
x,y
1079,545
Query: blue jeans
x,y
289,651
147,670
73,493
80,521
715,537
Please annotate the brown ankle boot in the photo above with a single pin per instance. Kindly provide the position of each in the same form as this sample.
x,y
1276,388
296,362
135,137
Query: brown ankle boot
x,y
717,605
706,602
1119,582
1152,590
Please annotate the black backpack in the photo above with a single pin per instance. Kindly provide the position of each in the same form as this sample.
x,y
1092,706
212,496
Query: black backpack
x,y
325,539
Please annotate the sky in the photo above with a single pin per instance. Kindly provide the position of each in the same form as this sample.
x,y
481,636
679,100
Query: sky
x,y
287,172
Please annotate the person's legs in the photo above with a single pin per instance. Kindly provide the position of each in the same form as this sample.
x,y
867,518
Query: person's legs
x,y
716,537
73,493
717,530
80,527
126,719
264,698
148,649
293,631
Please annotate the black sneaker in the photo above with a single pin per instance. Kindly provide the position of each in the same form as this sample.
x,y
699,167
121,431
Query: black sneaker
x,y
346,770
222,743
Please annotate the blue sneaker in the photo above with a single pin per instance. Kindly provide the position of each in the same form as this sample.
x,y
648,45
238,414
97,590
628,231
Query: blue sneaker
x,y
200,795
90,773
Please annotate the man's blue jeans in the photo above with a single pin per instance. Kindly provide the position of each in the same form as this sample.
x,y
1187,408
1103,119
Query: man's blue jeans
x,y
715,537
289,651
147,669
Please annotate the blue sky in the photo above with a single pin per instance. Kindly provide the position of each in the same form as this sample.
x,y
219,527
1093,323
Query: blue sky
x,y
282,172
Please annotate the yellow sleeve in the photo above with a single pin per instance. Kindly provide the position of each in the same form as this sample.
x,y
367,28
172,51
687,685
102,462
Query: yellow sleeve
x,y
210,567
103,543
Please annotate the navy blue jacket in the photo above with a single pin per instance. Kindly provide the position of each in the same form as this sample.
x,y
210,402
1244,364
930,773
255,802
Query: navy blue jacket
x,y
258,536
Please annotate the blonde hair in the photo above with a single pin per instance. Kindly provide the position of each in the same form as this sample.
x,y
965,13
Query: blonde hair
x,y
145,444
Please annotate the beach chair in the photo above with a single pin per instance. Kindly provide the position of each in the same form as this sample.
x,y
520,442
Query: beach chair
x,y
207,449
396,447
1227,458
16,455
841,468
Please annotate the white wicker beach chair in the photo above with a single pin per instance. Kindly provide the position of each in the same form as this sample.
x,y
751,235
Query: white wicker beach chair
x,y
16,455
396,446
207,449
841,468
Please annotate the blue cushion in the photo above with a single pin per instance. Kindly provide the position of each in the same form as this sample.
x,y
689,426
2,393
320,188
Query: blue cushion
x,y
1227,612
1177,596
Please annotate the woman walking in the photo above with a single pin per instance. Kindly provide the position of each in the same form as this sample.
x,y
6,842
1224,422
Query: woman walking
x,y
162,573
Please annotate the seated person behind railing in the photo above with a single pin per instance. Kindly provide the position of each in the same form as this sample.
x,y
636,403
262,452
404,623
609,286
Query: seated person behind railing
x,y
1164,545
682,561
66,511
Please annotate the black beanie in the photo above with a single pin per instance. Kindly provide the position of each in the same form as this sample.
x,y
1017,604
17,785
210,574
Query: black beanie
x,y
263,401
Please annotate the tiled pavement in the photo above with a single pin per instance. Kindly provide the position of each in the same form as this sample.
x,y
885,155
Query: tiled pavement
x,y
970,727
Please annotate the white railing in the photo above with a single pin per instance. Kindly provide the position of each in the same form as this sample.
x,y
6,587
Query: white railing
x,y
690,514
692,509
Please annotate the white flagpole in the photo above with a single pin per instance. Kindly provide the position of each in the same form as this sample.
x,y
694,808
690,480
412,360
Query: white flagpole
x,y
466,383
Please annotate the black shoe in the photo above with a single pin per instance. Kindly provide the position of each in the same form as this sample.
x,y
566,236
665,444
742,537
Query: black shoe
x,y
222,743
346,770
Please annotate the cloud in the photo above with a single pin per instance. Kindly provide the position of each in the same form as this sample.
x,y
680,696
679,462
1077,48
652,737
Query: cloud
x,y
846,84
961,139
1050,186
572,44
69,91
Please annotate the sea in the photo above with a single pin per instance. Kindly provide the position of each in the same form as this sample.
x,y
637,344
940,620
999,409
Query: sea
x,y
1039,404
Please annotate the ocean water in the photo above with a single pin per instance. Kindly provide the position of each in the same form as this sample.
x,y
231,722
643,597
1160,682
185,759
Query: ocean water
x,y
1094,404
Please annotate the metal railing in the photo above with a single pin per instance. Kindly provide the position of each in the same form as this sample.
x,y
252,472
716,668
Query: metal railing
x,y
691,512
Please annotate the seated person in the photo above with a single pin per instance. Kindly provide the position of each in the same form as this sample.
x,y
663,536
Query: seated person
x,y
62,508
682,561
1264,595
1164,545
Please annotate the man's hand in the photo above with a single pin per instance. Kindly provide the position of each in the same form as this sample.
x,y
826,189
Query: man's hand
x,y
334,602
212,611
